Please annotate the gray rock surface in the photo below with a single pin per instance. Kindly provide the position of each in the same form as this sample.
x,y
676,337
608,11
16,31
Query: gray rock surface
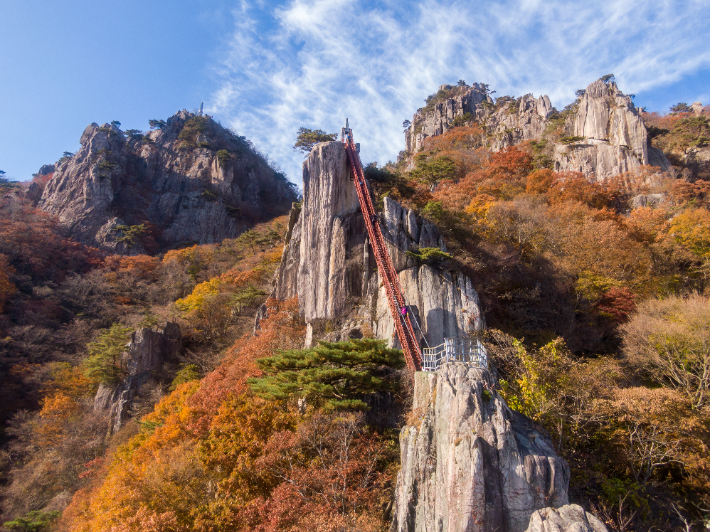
x,y
614,137
616,140
327,262
469,463
146,352
437,121
570,518
177,187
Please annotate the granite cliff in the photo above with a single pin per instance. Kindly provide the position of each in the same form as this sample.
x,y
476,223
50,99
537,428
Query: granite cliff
x,y
470,463
190,181
600,135
328,265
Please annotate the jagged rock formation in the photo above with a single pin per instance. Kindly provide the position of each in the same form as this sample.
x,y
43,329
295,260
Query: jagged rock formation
x,y
615,139
438,119
612,137
328,265
190,182
570,518
146,353
470,463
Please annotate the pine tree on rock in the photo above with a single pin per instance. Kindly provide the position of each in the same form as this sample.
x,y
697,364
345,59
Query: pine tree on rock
x,y
334,375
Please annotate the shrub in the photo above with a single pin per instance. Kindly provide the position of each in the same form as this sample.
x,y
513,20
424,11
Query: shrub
x,y
192,129
461,120
571,140
34,521
669,339
224,157
429,255
307,138
104,362
131,233
187,373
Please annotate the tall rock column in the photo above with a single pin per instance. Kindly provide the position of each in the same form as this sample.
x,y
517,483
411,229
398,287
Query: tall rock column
x,y
470,463
327,263
615,139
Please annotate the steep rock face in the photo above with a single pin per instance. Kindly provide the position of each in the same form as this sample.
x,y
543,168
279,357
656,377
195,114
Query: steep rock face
x,y
472,464
429,123
614,137
516,122
190,182
146,352
616,140
570,518
327,262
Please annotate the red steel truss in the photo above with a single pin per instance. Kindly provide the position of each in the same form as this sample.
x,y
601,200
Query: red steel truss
x,y
405,331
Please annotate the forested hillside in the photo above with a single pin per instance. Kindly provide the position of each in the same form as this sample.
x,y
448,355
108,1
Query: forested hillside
x,y
594,294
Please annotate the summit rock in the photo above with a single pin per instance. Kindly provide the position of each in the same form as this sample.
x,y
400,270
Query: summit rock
x,y
189,182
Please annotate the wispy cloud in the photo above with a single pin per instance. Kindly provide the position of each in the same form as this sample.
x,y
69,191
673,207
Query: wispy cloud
x,y
312,63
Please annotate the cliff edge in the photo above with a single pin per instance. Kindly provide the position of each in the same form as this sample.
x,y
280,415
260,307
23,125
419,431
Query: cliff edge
x,y
328,265
470,463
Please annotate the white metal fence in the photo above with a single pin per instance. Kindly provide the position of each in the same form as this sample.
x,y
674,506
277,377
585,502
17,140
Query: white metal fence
x,y
465,350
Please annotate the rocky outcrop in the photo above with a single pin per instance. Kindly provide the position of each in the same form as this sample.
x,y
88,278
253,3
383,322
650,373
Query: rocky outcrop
x,y
327,262
146,352
191,181
570,518
611,137
615,139
470,463
436,119
519,120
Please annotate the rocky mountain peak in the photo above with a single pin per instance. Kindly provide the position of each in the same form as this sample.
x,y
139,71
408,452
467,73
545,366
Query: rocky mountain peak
x,y
328,265
189,181
600,135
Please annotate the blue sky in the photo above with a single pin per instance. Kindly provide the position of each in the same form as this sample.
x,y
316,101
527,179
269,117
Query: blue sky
x,y
267,68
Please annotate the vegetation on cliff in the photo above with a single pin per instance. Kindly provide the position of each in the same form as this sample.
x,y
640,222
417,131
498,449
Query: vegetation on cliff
x,y
595,294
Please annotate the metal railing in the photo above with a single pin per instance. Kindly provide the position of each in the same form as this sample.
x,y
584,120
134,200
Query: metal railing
x,y
465,350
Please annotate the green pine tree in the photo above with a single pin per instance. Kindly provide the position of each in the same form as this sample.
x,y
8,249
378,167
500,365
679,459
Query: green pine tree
x,y
335,375
104,362
188,372
34,521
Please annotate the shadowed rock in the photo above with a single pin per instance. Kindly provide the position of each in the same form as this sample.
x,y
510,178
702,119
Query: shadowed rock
x,y
470,463
147,350
197,189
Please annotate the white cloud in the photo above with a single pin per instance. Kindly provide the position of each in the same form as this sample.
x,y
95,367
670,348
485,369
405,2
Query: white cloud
x,y
312,63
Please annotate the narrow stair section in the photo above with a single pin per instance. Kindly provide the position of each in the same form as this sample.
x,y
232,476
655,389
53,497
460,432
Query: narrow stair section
x,y
403,325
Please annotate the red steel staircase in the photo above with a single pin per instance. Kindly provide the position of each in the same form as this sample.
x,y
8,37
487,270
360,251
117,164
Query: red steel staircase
x,y
403,325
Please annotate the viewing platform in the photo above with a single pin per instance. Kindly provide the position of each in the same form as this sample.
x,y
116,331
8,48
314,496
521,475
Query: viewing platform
x,y
464,350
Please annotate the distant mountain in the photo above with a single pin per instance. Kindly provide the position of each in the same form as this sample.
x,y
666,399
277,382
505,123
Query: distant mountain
x,y
601,134
190,181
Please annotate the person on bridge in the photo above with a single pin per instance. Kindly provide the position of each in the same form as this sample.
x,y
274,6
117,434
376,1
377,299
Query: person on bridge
x,y
404,312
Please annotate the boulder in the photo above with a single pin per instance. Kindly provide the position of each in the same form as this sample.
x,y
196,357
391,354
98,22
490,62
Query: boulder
x,y
470,463
570,518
